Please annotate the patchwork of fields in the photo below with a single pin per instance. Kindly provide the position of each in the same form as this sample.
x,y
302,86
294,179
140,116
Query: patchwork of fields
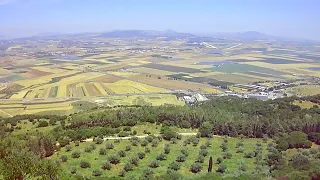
x,y
120,72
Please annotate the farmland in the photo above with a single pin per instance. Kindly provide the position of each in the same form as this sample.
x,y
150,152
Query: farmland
x,y
152,67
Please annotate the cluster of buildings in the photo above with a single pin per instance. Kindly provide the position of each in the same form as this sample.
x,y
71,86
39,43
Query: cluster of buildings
x,y
191,99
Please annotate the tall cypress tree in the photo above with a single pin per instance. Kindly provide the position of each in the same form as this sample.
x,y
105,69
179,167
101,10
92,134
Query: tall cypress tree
x,y
210,164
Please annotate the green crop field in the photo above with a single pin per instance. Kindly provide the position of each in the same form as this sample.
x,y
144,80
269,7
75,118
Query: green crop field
x,y
243,68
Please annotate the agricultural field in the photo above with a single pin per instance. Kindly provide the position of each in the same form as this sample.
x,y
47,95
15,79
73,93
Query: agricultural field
x,y
65,106
10,108
149,100
96,160
305,104
307,90
125,67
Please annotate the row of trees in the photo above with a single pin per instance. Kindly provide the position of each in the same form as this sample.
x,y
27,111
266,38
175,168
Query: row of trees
x,y
222,116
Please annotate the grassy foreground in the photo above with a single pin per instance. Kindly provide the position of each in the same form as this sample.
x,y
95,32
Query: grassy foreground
x,y
96,160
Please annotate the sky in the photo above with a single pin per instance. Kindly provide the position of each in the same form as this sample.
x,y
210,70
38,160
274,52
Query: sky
x,y
284,18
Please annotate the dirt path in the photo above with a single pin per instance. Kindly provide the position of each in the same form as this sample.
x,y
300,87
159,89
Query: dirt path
x,y
143,136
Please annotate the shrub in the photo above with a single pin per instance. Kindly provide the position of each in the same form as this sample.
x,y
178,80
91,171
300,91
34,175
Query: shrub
x,y
196,167
154,164
116,141
168,133
114,159
64,158
128,148
221,168
96,172
155,143
219,160
68,147
186,142
52,122
199,135
63,141
242,167
122,153
174,166
203,147
225,140
248,155
77,143
85,164
127,128
141,155
146,173
144,143
149,138
122,173
300,161
134,161
123,134
195,141
73,170
227,155
43,124
258,144
109,146
208,143
99,141
185,152
93,146
135,143
166,149
203,152
102,151
240,149
75,154
181,158
106,165
314,137
224,147
88,149
313,151
239,144
161,157
173,141
295,139
306,152
134,132
179,136
146,150
265,138
200,159
128,167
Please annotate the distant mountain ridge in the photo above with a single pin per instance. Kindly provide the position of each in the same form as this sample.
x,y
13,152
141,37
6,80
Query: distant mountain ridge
x,y
166,35
144,34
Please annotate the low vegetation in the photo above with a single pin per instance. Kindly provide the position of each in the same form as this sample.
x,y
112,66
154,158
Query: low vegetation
x,y
241,138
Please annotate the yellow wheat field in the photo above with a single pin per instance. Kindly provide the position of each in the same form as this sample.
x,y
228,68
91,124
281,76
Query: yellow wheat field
x,y
127,87
62,91
100,88
20,95
43,79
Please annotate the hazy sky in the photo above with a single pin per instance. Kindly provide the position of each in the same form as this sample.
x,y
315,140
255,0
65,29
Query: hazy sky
x,y
290,18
